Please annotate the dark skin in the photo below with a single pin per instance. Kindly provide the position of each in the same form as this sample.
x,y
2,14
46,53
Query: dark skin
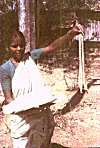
x,y
17,52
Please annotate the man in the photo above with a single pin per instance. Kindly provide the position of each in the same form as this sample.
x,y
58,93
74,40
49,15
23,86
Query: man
x,y
33,127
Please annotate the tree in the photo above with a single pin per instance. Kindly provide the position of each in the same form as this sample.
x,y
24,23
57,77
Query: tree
x,y
27,21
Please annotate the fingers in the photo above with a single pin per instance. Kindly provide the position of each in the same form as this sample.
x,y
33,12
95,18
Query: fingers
x,y
78,28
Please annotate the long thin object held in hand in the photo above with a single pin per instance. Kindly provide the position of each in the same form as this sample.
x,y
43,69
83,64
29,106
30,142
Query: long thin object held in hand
x,y
81,79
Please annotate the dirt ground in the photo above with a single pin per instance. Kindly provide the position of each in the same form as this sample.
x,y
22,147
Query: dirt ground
x,y
77,115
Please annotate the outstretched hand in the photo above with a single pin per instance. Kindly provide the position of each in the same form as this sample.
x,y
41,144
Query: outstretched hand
x,y
77,28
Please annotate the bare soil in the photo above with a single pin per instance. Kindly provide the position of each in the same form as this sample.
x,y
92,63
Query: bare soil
x,y
77,115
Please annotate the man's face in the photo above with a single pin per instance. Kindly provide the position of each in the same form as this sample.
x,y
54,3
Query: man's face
x,y
17,49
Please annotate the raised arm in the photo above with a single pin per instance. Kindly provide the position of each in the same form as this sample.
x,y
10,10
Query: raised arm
x,y
77,29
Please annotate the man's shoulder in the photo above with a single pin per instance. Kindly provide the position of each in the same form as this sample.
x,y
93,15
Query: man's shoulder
x,y
35,53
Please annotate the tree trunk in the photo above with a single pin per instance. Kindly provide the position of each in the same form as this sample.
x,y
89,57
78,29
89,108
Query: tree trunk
x,y
26,15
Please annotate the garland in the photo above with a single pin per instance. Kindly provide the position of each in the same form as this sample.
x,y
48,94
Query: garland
x,y
81,79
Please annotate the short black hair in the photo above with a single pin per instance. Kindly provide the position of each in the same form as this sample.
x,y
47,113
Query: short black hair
x,y
14,33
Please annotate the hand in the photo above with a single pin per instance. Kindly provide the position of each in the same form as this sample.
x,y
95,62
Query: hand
x,y
5,102
77,28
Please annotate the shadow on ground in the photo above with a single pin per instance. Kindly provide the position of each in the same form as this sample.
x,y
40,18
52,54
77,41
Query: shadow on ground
x,y
75,100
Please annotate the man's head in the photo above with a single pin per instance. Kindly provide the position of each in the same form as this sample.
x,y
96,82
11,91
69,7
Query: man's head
x,y
16,45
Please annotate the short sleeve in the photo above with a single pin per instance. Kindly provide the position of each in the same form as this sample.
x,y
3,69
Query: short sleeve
x,y
36,53
5,80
